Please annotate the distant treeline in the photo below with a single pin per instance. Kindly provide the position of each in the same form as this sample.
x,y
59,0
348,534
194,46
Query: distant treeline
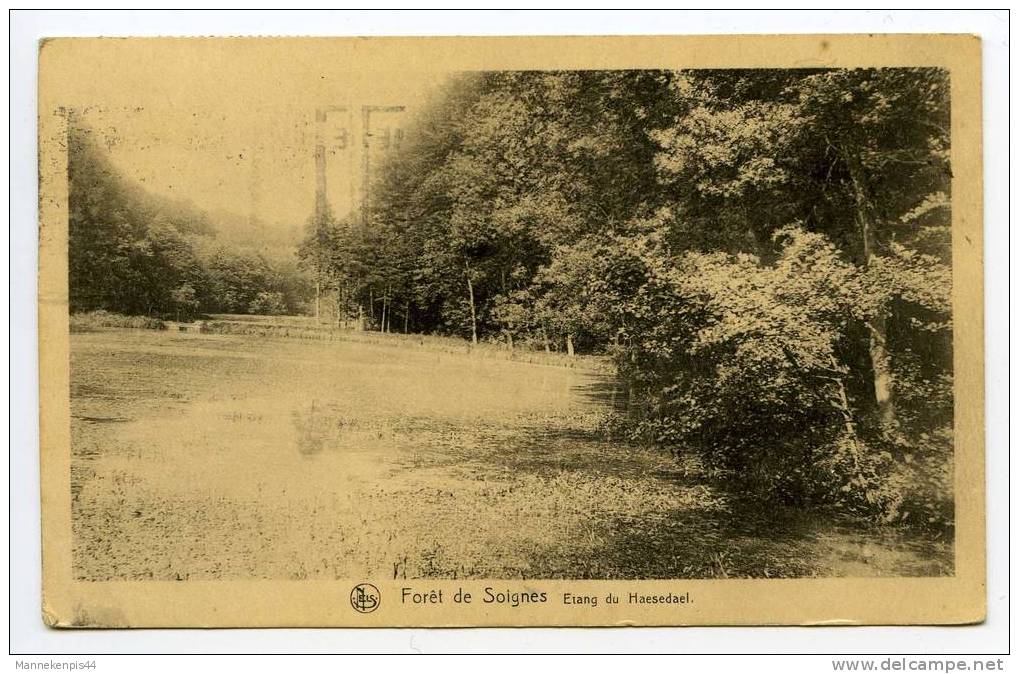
x,y
139,254
766,253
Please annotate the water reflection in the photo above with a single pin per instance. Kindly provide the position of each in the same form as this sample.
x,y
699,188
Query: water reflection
x,y
314,428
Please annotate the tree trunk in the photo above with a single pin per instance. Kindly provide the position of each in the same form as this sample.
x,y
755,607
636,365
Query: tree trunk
x,y
341,314
474,316
877,326
544,340
881,360
406,317
569,345
318,298
382,322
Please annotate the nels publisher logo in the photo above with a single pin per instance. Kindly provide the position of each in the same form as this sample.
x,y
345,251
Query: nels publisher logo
x,y
365,598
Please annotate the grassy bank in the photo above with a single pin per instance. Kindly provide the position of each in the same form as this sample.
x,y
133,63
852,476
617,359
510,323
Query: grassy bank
x,y
305,328
96,320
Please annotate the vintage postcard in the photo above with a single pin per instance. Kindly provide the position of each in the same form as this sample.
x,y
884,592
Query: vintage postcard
x,y
554,331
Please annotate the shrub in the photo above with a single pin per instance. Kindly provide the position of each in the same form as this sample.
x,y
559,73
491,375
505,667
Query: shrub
x,y
749,364
94,320
185,302
268,304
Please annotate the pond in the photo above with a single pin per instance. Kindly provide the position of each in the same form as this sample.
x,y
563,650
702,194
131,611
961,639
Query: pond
x,y
230,456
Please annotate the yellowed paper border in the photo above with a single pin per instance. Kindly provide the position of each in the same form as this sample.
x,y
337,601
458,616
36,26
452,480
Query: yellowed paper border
x,y
82,72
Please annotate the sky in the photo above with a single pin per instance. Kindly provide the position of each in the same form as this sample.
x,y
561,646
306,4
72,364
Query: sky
x,y
248,148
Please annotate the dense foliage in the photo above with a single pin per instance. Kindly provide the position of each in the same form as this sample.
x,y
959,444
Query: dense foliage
x,y
134,253
765,253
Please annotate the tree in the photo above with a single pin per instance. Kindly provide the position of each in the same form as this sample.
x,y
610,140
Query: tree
x,y
888,129
135,253
764,252
855,154
185,302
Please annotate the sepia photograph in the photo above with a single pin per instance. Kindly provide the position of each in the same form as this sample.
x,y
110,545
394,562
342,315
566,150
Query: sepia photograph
x,y
451,323
580,324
